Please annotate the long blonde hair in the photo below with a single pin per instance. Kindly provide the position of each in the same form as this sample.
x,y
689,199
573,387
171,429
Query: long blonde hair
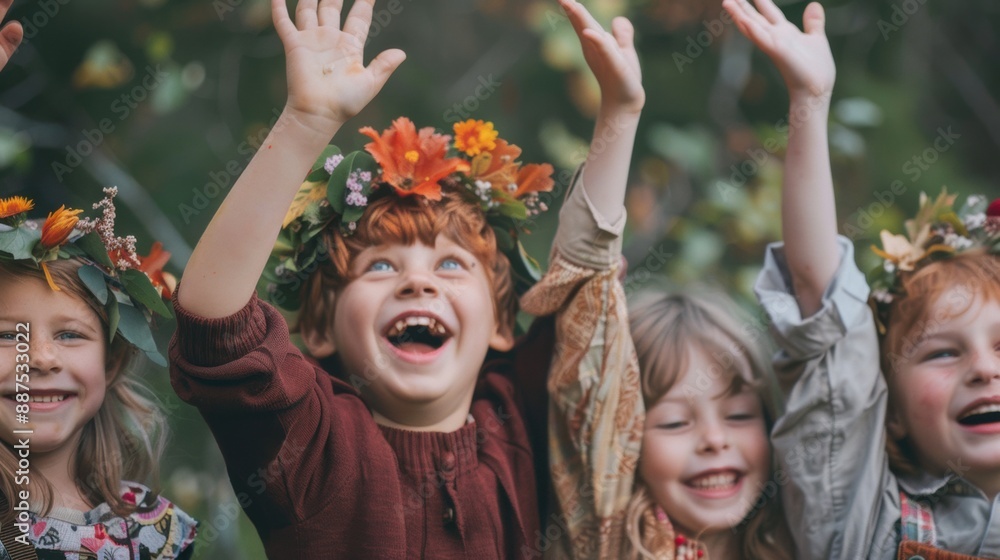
x,y
123,441
664,327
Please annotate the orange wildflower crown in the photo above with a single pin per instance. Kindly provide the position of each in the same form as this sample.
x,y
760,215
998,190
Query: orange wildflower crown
x,y
130,287
403,161
937,232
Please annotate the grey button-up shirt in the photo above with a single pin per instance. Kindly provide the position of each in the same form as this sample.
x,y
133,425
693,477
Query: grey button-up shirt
x,y
841,500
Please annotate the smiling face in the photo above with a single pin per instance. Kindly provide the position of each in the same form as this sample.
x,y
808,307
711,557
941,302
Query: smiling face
x,y
66,367
705,454
945,389
416,322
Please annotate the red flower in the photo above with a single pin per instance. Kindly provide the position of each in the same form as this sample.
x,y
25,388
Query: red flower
x,y
412,162
994,210
152,264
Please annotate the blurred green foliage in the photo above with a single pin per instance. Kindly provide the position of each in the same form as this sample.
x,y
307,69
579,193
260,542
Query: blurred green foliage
x,y
169,100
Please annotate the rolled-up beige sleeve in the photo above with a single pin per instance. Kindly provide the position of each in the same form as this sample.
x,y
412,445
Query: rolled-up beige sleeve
x,y
596,413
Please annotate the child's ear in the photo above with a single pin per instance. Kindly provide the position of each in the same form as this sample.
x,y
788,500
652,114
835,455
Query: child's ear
x,y
894,424
319,346
502,339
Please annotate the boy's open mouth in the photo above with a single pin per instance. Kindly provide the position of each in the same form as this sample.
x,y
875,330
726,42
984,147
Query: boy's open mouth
x,y
418,334
983,414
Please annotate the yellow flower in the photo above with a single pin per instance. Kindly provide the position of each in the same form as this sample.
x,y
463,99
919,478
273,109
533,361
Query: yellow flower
x,y
898,250
14,205
473,137
58,226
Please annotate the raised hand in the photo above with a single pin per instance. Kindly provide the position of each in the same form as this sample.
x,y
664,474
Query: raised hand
x,y
803,58
328,82
10,34
611,57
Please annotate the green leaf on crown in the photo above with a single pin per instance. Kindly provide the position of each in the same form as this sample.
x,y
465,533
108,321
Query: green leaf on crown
x,y
318,173
133,326
336,189
18,242
93,278
94,248
138,286
114,316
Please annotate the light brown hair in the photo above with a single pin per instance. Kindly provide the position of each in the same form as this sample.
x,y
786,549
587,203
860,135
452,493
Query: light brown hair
x,y
125,439
665,326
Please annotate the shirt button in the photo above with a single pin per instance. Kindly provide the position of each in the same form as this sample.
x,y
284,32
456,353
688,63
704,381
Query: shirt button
x,y
449,515
448,461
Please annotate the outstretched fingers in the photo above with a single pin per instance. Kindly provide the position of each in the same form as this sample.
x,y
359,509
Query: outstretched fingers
x,y
282,22
383,65
329,12
769,10
359,19
814,19
749,21
624,34
579,17
305,14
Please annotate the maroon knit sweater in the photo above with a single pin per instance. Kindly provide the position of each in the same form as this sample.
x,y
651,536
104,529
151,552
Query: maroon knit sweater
x,y
320,479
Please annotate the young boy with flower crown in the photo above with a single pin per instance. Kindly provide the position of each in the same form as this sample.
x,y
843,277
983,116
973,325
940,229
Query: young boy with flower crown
x,y
397,260
902,463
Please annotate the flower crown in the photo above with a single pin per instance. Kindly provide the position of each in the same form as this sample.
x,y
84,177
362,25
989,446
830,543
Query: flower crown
x,y
405,162
130,287
937,232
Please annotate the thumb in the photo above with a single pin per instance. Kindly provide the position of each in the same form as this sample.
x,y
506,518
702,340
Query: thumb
x,y
383,65
814,19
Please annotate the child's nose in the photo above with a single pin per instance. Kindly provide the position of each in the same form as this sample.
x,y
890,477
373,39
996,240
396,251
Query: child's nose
x,y
417,284
985,366
713,437
44,358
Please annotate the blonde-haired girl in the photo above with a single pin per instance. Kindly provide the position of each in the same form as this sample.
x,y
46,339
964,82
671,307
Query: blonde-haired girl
x,y
78,430
705,486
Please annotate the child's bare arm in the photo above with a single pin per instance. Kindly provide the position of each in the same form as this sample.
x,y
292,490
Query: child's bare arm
x,y
615,64
10,34
808,214
327,84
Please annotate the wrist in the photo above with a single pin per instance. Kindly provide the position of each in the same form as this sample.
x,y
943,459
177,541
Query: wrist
x,y
308,126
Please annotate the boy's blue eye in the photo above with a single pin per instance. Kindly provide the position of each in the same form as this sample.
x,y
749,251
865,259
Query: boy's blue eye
x,y
7,336
380,266
451,264
68,335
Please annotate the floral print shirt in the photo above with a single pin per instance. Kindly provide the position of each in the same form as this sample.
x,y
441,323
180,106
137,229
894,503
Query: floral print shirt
x,y
157,529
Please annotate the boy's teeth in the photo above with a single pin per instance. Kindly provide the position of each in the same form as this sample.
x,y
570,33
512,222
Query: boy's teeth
x,y
417,321
715,481
48,399
982,409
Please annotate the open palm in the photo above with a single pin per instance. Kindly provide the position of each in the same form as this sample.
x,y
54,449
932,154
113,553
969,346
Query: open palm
x,y
803,58
610,56
327,79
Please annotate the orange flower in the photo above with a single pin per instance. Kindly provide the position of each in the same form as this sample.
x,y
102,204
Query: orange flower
x,y
534,177
152,264
497,166
14,205
412,162
58,226
473,137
